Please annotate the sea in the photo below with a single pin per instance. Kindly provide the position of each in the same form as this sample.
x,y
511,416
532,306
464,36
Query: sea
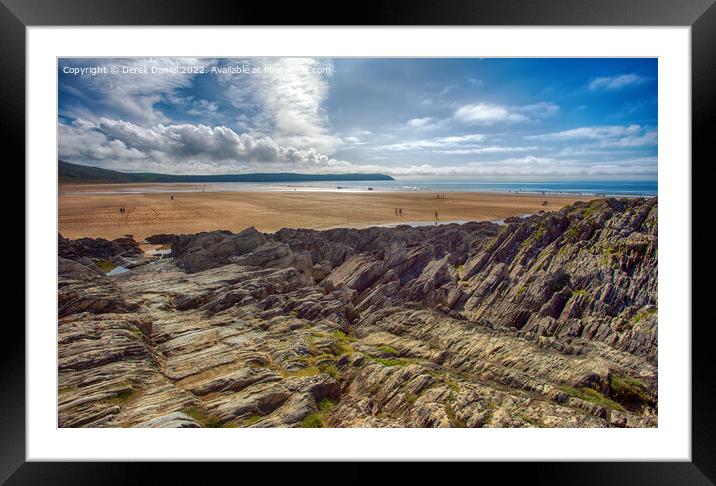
x,y
643,188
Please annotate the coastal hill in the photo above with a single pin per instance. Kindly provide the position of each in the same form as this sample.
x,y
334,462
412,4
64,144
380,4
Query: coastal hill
x,y
544,321
69,173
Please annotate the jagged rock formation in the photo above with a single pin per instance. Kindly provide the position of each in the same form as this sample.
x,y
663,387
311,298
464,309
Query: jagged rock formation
x,y
97,248
548,321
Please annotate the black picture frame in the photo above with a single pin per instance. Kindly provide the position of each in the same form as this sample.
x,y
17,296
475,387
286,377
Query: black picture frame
x,y
16,15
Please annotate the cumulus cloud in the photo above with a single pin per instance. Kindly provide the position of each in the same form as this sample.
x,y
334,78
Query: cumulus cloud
x,y
173,148
188,148
615,82
489,114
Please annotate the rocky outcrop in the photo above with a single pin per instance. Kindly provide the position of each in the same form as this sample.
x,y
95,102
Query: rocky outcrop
x,y
546,321
97,248
160,239
588,271
84,288
202,251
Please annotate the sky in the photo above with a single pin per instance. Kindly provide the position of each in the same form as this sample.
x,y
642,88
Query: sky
x,y
476,119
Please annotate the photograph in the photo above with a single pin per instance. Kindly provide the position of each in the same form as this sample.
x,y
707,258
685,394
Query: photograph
x,y
357,242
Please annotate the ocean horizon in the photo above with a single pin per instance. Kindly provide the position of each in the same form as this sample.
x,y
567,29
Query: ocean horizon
x,y
587,187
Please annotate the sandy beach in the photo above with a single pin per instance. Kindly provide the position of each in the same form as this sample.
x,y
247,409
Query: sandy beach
x,y
85,213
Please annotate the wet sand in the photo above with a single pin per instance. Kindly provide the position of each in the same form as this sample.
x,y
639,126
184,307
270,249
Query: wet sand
x,y
97,215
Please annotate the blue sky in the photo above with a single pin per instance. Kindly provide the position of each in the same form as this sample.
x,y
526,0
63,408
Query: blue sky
x,y
480,119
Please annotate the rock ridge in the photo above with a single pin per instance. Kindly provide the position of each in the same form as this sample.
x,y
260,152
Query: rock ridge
x,y
543,321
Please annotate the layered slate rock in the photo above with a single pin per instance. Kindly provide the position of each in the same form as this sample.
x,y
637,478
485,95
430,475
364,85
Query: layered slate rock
x,y
85,288
98,248
545,321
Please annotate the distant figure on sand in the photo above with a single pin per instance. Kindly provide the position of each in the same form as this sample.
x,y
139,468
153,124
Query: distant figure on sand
x,y
436,217
396,211
545,203
172,196
400,211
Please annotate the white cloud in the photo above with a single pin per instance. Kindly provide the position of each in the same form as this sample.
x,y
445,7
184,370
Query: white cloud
x,y
489,114
493,149
606,136
173,148
434,143
203,107
289,94
133,93
473,137
419,122
197,149
526,167
470,144
616,82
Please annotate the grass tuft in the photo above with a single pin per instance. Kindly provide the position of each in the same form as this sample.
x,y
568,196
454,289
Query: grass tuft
x,y
315,420
593,396
629,391
312,421
251,420
122,398
390,361
201,417
325,405
387,350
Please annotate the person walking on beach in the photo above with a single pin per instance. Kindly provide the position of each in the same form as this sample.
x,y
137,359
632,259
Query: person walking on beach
x,y
436,217
172,197
400,211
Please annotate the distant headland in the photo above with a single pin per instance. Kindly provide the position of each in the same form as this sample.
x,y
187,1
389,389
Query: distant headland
x,y
69,173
